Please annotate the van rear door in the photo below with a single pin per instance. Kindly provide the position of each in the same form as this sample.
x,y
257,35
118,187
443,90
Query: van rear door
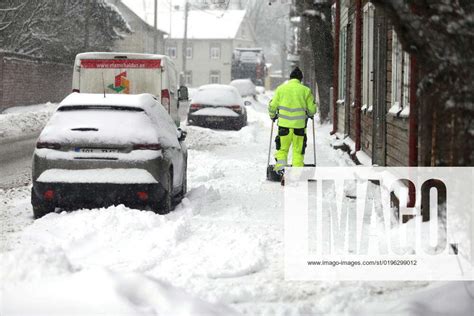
x,y
129,76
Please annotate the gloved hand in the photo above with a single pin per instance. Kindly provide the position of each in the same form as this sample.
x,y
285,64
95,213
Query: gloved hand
x,y
274,118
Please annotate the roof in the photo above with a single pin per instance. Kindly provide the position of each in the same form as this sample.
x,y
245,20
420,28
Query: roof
x,y
114,54
119,56
202,24
121,6
215,24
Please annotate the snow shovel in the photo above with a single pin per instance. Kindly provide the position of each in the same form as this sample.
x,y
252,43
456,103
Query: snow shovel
x,y
272,175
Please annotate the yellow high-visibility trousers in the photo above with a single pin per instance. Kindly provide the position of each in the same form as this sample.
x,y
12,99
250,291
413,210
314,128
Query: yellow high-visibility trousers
x,y
286,138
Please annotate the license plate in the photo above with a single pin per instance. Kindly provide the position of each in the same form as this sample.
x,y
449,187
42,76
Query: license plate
x,y
215,119
96,150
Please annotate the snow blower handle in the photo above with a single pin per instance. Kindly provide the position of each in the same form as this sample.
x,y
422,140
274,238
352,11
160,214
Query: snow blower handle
x,y
314,143
270,145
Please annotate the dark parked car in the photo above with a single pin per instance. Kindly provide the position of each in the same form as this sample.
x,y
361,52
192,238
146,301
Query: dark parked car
x,y
101,150
217,106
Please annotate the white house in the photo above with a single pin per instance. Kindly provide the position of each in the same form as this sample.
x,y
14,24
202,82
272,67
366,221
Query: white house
x,y
142,37
212,37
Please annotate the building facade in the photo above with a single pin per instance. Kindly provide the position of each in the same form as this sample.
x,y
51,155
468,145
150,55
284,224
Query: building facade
x,y
374,86
209,45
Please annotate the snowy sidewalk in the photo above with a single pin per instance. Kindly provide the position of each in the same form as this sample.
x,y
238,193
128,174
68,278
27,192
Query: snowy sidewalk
x,y
223,244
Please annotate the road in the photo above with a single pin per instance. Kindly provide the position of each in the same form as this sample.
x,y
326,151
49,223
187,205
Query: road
x,y
15,160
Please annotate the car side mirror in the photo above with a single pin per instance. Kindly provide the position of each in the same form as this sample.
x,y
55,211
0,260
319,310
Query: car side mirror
x,y
182,135
183,93
248,103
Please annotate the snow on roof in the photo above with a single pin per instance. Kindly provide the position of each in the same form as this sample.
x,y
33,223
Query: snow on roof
x,y
202,24
207,24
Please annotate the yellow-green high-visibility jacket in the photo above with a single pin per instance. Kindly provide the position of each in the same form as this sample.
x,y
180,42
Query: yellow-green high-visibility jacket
x,y
294,102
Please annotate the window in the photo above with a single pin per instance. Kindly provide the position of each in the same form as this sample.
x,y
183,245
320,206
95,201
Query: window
x,y
188,78
406,81
342,63
368,58
172,51
189,52
215,76
215,51
400,78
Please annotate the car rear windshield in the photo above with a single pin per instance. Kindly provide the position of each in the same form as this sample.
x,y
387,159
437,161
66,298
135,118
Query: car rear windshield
x,y
100,107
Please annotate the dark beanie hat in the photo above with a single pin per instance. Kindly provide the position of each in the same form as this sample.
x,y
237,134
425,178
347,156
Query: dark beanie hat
x,y
296,74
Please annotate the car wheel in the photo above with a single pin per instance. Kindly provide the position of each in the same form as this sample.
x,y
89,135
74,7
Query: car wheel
x,y
184,186
39,208
167,201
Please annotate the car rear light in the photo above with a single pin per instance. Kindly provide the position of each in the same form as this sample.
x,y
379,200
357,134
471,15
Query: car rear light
x,y
147,147
236,108
165,99
142,195
40,145
48,195
196,107
76,90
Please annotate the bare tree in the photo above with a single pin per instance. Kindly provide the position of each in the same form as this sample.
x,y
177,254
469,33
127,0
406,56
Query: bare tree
x,y
316,47
59,29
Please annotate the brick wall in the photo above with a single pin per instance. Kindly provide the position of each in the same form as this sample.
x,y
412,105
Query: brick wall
x,y
25,80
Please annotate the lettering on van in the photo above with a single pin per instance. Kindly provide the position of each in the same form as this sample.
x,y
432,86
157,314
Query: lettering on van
x,y
121,84
121,64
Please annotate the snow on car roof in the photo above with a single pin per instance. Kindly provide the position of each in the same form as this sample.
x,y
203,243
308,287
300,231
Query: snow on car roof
x,y
244,86
217,94
144,101
94,55
216,86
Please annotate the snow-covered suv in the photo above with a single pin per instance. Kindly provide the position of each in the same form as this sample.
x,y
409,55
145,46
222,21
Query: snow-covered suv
x,y
99,150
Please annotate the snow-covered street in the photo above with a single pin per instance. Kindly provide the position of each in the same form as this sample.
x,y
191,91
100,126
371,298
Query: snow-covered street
x,y
223,244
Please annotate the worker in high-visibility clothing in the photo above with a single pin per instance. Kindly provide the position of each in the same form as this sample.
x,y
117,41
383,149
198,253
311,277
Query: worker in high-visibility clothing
x,y
293,103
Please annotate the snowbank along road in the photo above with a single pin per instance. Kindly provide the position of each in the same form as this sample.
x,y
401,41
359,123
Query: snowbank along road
x,y
220,252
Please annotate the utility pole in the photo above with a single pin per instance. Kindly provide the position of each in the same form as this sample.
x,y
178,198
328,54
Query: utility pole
x,y
284,52
155,28
185,39
86,26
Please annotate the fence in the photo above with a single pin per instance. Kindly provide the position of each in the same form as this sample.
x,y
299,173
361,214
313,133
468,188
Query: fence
x,y
25,80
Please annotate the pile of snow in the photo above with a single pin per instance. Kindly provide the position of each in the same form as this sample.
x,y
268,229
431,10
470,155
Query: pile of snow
x,y
18,121
245,87
217,94
245,256
446,298
93,261
99,291
209,139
